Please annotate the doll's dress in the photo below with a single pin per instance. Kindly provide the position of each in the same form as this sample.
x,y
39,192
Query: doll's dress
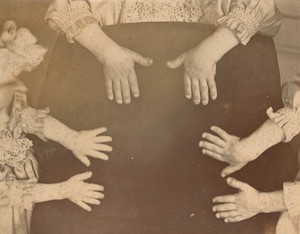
x,y
243,17
16,156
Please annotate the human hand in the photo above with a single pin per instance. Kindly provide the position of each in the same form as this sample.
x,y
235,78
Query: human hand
x,y
89,143
199,73
82,193
120,77
296,100
227,148
240,206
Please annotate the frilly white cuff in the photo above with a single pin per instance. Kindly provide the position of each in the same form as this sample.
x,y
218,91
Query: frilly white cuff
x,y
73,19
241,22
288,120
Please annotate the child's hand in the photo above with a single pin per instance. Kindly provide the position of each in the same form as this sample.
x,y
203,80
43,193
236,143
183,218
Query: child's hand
x,y
296,100
82,193
199,73
240,206
120,76
226,148
88,143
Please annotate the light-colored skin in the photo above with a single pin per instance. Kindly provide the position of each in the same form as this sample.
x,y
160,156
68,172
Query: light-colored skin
x,y
118,63
246,203
82,144
238,152
200,65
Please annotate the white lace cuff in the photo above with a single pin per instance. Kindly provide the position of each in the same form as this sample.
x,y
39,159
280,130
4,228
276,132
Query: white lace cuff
x,y
291,195
288,120
241,22
73,19
20,193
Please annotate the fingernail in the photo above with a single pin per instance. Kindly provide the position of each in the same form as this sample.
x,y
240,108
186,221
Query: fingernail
x,y
98,203
203,135
119,101
223,175
205,102
196,102
110,98
214,209
200,143
218,215
127,101
225,220
203,151
212,127
136,95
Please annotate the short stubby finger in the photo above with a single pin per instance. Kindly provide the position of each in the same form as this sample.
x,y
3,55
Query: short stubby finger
x,y
94,194
212,88
94,187
224,207
98,155
220,132
103,139
102,147
91,201
214,139
109,89
196,91
204,92
211,147
187,86
227,214
126,91
118,92
82,205
224,199
134,86
234,219
213,155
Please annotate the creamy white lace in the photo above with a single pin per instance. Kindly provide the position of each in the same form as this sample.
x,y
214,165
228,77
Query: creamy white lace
x,y
161,10
12,150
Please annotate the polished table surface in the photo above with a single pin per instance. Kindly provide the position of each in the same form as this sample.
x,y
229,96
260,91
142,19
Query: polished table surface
x,y
157,181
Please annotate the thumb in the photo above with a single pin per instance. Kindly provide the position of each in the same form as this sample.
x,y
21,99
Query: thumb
x,y
82,176
147,62
84,159
230,169
173,64
237,184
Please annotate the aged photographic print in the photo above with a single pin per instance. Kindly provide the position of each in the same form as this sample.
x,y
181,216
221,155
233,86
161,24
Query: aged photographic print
x,y
149,116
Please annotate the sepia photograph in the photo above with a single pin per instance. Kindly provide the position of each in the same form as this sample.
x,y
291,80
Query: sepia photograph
x,y
149,116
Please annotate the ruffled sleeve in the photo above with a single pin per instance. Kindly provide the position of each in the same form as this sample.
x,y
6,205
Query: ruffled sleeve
x,y
291,194
69,17
288,120
32,121
247,17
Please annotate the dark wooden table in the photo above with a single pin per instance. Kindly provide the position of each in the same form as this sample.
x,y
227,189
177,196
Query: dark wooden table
x,y
157,181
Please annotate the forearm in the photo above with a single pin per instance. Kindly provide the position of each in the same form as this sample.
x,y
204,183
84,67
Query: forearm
x,y
219,43
48,192
272,202
57,131
96,41
266,136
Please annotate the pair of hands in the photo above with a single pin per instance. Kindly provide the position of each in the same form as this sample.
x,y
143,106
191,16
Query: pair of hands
x,y
121,80
234,151
93,144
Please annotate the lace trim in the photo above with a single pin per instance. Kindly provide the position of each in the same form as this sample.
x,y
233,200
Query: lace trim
x,y
13,151
73,19
288,120
161,10
243,23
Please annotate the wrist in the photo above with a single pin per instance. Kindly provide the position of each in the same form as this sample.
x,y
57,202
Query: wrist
x,y
71,139
219,43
